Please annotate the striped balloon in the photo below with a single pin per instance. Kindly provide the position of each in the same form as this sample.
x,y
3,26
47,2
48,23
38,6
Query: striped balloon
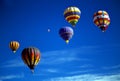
x,y
14,45
72,15
101,19
31,57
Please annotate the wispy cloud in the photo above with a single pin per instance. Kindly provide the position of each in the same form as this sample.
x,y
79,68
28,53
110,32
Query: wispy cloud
x,y
63,60
74,55
81,71
53,57
71,58
62,56
52,70
86,66
111,67
12,63
8,77
88,77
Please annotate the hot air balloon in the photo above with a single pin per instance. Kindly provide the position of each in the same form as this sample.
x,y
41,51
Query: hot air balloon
x,y
14,45
72,15
101,19
31,57
48,30
66,33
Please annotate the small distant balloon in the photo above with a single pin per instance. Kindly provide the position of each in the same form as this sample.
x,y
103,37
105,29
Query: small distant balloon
x,y
48,30
14,45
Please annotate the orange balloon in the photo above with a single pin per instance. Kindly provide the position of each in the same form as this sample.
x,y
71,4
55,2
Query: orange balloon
x,y
14,45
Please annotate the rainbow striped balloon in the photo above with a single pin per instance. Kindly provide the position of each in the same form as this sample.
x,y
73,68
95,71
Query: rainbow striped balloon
x,y
101,19
31,57
72,15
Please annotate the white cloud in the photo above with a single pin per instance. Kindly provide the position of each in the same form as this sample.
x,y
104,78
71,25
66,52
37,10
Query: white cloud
x,y
52,70
88,77
112,67
70,55
8,77
86,66
81,71
52,57
12,63
62,56
61,60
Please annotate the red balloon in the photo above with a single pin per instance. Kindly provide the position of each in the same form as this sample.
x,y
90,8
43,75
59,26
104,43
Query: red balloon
x,y
31,57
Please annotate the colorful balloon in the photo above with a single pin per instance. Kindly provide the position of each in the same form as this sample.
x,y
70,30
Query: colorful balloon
x,y
72,15
31,57
14,45
101,19
66,33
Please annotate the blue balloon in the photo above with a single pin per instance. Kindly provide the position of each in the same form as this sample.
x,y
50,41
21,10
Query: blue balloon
x,y
66,33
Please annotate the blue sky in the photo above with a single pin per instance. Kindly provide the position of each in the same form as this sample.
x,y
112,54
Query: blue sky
x,y
91,55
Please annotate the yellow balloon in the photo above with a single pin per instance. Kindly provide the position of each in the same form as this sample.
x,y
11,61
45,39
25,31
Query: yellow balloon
x,y
14,45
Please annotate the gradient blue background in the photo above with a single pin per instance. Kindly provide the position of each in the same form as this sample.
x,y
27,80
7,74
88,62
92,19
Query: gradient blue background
x,y
91,55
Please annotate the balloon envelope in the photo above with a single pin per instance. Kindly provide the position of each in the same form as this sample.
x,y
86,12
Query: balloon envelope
x,y
14,45
101,19
31,57
66,33
72,15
